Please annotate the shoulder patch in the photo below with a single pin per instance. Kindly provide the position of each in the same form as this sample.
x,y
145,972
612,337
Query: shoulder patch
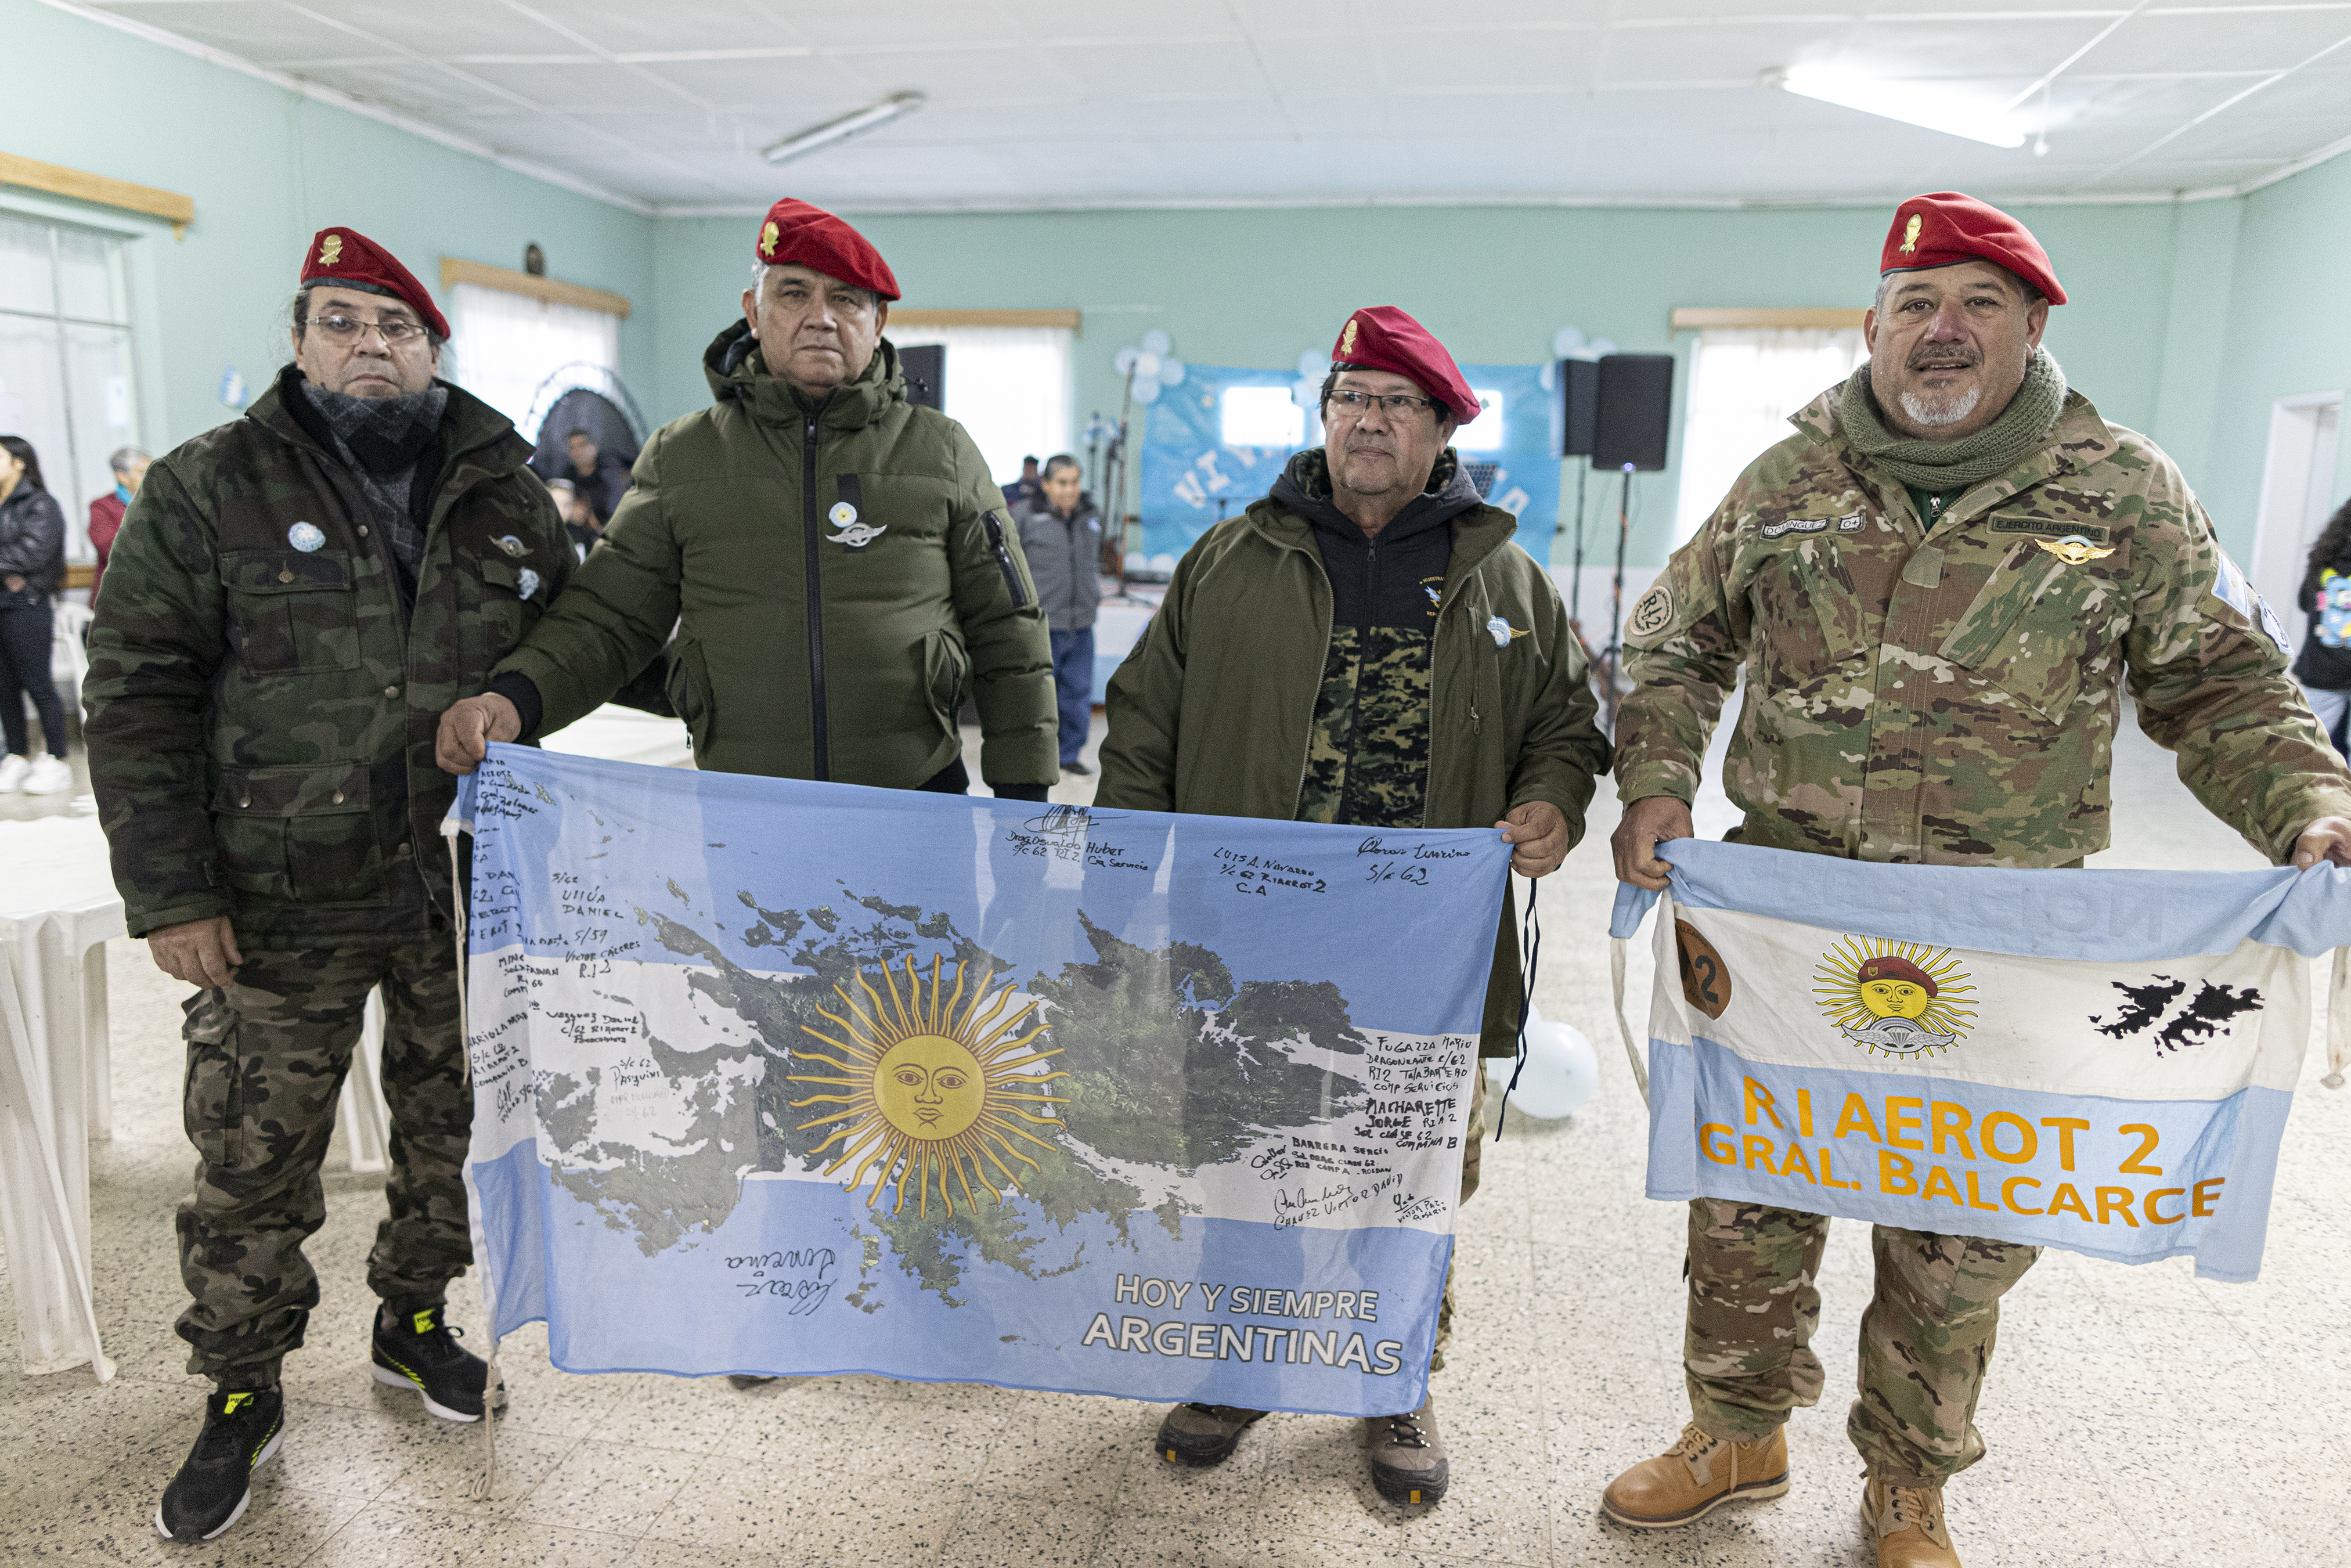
x,y
2229,587
1652,612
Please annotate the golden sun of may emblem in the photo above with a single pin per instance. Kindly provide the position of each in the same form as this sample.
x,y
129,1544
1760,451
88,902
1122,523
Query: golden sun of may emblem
x,y
1895,999
931,1090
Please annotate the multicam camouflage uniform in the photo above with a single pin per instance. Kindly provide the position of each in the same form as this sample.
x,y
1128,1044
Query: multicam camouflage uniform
x,y
1940,693
262,713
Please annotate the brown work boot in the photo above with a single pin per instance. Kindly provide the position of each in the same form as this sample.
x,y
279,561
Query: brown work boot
x,y
1690,1480
1906,1525
1204,1434
1407,1455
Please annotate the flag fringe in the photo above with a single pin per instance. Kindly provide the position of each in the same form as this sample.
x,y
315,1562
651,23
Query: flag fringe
x,y
1616,946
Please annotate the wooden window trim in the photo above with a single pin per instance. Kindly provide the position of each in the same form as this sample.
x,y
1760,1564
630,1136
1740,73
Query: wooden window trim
x,y
57,179
454,271
1831,317
917,317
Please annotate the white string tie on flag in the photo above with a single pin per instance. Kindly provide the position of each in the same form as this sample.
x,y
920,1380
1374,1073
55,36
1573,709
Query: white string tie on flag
x,y
486,1482
2339,1021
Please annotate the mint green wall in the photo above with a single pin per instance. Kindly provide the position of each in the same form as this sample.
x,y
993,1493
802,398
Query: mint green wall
x,y
1258,286
266,168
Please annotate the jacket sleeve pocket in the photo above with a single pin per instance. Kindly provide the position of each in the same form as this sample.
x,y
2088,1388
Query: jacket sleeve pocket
x,y
301,833
2032,629
211,1102
291,609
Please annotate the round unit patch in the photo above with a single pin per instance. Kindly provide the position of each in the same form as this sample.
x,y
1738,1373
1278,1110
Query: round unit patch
x,y
842,514
305,537
1653,615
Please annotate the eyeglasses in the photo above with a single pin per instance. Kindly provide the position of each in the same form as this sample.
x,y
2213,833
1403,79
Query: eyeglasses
x,y
350,329
1349,401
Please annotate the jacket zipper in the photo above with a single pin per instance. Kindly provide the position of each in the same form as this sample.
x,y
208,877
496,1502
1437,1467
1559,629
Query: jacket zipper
x,y
1003,558
808,535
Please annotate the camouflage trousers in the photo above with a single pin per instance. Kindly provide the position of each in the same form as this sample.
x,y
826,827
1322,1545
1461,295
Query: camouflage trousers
x,y
1926,1339
1472,1149
267,1056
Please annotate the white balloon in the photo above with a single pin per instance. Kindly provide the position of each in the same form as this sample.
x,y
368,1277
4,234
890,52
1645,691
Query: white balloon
x,y
1145,390
1313,366
1549,375
1559,1075
1566,342
1157,341
1303,392
1602,346
1136,561
1124,360
1163,562
1171,372
1146,365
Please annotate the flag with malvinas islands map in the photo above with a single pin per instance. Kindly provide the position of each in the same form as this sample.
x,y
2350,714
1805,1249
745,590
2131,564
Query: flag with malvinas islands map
x,y
783,1077
2098,1061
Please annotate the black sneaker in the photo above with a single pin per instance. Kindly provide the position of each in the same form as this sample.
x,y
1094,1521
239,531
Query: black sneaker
x,y
423,1354
242,1430
1202,1434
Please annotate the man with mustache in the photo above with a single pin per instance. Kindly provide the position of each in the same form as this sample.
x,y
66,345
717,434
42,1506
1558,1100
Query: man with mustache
x,y
1366,645
1936,589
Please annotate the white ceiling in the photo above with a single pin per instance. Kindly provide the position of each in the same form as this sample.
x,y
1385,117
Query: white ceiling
x,y
1056,103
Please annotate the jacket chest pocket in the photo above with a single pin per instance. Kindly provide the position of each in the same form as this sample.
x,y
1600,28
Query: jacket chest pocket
x,y
306,833
292,610
1808,614
2034,629
505,612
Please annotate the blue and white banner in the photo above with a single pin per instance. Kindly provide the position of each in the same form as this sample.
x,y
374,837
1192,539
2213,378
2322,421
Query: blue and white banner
x,y
781,1077
2097,1061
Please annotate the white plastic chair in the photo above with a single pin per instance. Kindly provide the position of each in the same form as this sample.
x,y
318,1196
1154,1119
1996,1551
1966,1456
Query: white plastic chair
x,y
68,660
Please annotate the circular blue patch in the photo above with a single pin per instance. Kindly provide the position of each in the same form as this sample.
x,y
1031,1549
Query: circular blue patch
x,y
305,537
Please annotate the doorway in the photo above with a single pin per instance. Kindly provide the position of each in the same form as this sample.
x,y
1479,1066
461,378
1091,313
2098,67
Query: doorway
x,y
2296,484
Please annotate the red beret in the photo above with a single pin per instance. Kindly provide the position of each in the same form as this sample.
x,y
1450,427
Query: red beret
x,y
1942,228
346,256
1383,337
1893,968
814,238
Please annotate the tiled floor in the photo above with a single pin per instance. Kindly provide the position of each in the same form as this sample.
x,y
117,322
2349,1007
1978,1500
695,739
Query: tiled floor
x,y
2133,1415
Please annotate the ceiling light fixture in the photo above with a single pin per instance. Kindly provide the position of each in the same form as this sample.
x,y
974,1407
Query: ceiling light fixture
x,y
832,132
1927,107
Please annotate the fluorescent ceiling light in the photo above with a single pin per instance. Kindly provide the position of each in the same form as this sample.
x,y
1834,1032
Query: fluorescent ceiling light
x,y
817,137
1905,101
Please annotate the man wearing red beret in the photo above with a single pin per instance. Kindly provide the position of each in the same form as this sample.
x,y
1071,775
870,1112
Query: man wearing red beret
x,y
292,599
840,568
1348,619
1936,589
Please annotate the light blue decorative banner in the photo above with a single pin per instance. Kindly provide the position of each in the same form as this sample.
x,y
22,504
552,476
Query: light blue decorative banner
x,y
1190,476
794,1078
2098,1061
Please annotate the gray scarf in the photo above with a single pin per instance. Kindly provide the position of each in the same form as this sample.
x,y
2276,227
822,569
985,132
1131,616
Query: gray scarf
x,y
380,438
1940,465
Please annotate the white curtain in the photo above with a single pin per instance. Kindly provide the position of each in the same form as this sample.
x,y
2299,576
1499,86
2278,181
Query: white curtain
x,y
506,345
1009,386
1746,383
67,383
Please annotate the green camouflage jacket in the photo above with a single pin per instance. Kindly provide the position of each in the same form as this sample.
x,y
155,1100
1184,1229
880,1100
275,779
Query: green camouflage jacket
x,y
1948,695
840,579
261,719
1214,711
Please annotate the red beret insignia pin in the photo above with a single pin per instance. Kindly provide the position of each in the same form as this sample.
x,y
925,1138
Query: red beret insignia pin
x,y
1347,338
767,240
331,251
1910,233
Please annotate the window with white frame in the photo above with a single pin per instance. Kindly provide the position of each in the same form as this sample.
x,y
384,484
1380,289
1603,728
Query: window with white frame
x,y
1483,434
1008,386
66,379
505,346
1746,383
1261,417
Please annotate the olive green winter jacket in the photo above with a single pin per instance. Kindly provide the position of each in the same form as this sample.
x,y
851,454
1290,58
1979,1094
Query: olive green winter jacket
x,y
1212,713
841,575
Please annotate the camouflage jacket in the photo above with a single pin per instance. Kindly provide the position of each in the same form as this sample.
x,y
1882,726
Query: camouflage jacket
x,y
1214,711
261,715
1948,695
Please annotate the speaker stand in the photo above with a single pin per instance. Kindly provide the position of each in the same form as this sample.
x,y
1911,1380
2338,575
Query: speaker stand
x,y
1612,660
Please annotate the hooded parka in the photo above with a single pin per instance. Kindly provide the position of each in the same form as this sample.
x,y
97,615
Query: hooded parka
x,y
1214,712
841,573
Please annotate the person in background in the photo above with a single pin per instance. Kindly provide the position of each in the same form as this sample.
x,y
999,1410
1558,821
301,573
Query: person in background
x,y
600,477
2323,667
579,520
130,467
1023,490
1060,532
32,568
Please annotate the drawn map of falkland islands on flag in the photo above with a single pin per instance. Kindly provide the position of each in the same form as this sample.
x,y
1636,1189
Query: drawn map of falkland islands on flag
x,y
774,1076
2098,1061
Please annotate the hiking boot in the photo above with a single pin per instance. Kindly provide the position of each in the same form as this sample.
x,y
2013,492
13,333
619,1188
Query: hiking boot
x,y
1908,1526
1204,1434
420,1351
1696,1476
242,1430
1408,1456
